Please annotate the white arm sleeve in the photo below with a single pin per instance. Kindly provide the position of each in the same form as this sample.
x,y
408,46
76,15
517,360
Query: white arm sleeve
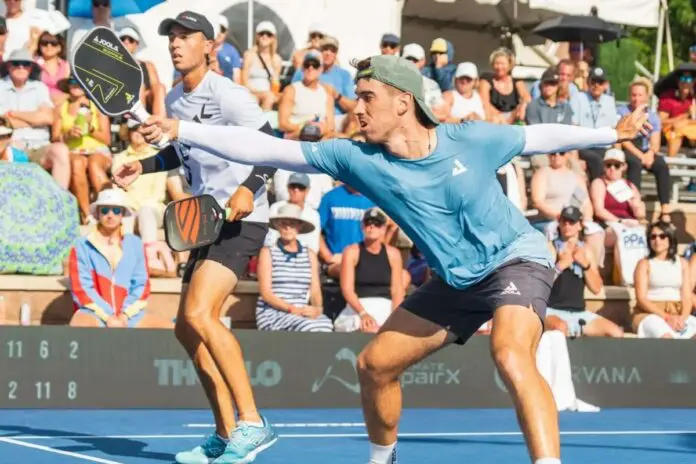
x,y
245,146
554,138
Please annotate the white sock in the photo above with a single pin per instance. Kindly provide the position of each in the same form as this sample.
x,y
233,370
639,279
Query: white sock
x,y
548,461
225,439
381,454
253,424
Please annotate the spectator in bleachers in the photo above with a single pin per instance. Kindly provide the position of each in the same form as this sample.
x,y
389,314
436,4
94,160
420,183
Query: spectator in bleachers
x,y
614,199
555,187
298,188
101,16
18,27
372,278
678,113
50,56
228,57
27,105
86,131
576,267
579,54
307,102
644,151
463,101
594,109
341,212
319,185
3,38
317,31
505,98
288,274
108,274
390,44
147,197
417,267
8,153
663,288
152,92
432,94
261,66
567,89
441,68
337,81
512,180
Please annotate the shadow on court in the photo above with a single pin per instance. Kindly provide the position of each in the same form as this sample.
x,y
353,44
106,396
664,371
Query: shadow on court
x,y
116,447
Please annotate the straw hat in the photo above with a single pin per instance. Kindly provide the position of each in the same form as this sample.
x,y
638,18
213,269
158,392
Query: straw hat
x,y
111,197
292,212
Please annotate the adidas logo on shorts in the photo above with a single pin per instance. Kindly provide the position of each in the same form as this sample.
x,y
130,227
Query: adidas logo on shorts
x,y
511,289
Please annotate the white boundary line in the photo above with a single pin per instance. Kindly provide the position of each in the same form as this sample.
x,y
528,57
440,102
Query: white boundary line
x,y
292,425
48,449
360,435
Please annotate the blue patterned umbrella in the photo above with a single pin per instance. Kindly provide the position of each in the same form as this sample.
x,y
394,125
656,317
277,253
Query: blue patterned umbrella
x,y
38,221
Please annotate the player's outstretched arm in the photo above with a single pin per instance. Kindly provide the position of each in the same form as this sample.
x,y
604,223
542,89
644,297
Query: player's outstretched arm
x,y
233,143
554,138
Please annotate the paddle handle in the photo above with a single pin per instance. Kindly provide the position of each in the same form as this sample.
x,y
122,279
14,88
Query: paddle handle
x,y
228,211
140,113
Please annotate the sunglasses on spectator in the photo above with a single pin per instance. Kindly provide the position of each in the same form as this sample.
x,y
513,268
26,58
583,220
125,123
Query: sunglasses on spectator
x,y
656,236
372,222
316,35
312,64
612,165
127,38
687,79
596,82
116,209
568,221
45,43
297,187
265,34
557,154
21,64
101,3
389,45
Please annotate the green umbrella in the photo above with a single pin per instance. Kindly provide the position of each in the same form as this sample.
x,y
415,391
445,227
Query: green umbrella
x,y
38,221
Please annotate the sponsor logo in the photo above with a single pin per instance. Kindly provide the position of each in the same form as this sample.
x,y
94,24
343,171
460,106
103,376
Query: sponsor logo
x,y
634,240
203,115
343,371
458,168
607,375
511,289
182,372
105,43
679,377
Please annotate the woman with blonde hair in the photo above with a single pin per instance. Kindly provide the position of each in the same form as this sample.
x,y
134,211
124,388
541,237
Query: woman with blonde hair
x,y
504,98
262,65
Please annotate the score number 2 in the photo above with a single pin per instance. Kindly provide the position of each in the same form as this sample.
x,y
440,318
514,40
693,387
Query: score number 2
x,y
15,349
43,390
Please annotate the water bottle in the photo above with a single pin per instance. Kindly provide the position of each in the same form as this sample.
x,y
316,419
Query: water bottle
x,y
81,119
25,314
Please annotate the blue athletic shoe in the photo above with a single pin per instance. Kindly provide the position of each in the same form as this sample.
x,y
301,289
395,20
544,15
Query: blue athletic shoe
x,y
246,442
211,449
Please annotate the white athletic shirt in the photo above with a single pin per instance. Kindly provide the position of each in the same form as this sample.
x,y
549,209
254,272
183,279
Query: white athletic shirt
x,y
217,101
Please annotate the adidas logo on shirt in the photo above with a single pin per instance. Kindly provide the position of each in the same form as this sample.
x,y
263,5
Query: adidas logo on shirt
x,y
511,289
459,168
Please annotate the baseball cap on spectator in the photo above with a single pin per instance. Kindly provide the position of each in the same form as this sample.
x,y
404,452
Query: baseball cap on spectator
x,y
292,212
329,41
550,75
65,83
299,178
129,32
571,213
391,39
439,45
615,154
374,216
310,133
3,25
111,197
5,127
414,51
312,56
401,74
598,75
266,26
466,69
188,20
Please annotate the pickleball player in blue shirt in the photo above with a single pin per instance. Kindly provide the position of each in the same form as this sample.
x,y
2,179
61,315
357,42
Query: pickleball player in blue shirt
x,y
438,183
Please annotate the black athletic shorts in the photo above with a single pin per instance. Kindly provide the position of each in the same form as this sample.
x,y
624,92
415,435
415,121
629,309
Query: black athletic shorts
x,y
238,242
462,312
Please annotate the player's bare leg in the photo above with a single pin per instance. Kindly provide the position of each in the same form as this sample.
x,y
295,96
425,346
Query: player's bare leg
x,y
403,340
514,339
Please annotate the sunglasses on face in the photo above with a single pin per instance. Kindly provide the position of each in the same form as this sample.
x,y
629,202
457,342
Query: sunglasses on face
x,y
21,64
116,209
372,222
265,34
311,65
46,43
557,154
656,236
595,82
687,79
128,39
612,165
568,221
101,3
389,45
297,187
316,35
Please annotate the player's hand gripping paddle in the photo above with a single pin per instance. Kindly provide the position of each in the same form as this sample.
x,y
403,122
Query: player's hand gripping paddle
x,y
109,75
193,222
